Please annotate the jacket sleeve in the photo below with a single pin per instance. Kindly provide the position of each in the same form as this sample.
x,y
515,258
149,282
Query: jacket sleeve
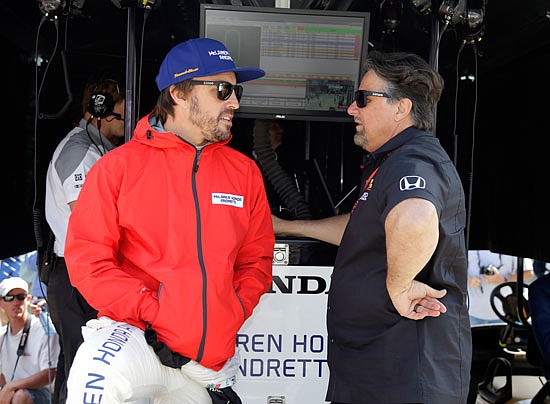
x,y
253,266
91,251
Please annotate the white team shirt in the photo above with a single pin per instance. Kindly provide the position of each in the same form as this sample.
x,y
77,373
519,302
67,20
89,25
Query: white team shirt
x,y
71,162
41,352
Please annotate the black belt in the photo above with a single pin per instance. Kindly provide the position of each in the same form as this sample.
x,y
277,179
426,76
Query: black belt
x,y
167,357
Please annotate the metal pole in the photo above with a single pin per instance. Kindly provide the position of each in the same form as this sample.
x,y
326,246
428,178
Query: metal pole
x,y
129,113
434,45
434,56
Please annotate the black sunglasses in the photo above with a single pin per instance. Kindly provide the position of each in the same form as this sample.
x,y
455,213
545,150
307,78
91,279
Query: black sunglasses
x,y
224,88
361,97
19,296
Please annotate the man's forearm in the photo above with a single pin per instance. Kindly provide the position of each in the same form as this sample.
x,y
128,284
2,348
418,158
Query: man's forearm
x,y
35,381
330,229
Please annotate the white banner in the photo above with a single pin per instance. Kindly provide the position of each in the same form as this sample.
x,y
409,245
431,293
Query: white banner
x,y
283,346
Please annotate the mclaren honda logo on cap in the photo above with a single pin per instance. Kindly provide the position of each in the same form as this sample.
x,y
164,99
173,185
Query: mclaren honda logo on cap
x,y
411,182
222,54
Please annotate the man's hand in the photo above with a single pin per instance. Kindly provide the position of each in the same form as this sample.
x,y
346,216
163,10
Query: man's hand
x,y
35,307
419,301
495,277
474,282
6,394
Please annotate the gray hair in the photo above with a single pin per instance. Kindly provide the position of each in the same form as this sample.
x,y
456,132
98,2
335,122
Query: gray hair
x,y
409,76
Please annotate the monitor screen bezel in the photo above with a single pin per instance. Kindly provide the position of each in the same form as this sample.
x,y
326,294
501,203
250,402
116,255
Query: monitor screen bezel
x,y
292,113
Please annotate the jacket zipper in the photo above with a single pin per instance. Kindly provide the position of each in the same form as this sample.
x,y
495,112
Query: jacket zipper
x,y
199,252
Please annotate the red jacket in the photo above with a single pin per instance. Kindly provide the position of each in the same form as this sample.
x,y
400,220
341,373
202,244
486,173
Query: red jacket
x,y
180,239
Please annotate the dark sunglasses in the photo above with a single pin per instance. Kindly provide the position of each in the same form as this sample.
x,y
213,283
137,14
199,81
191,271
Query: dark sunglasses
x,y
19,296
224,88
361,97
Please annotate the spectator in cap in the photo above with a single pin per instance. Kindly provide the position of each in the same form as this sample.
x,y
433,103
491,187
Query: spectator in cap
x,y
28,356
181,246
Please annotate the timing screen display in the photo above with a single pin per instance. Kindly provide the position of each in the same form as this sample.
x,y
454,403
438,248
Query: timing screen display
x,y
312,62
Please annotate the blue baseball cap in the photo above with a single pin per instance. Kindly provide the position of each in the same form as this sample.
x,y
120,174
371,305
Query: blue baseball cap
x,y
200,57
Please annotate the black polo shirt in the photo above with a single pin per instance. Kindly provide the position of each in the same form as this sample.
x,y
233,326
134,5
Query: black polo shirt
x,y
376,355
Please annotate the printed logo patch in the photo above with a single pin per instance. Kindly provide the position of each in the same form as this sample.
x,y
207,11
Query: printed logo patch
x,y
411,182
78,177
228,199
222,54
192,70
370,184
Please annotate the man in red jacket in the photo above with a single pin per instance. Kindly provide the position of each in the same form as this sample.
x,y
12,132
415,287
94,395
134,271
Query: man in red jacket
x,y
171,240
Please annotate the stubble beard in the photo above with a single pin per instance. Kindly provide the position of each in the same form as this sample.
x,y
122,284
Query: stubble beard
x,y
209,126
360,139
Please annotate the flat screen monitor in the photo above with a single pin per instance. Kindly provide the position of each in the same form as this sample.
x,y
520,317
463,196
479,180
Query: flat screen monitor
x,y
312,58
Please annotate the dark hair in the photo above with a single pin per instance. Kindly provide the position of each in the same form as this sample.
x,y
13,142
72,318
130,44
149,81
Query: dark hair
x,y
165,102
409,76
95,85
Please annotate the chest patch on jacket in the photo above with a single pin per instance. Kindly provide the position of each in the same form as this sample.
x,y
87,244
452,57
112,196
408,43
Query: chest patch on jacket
x,y
228,199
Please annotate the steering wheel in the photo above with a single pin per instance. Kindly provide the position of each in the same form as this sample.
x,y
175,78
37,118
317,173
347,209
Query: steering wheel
x,y
506,294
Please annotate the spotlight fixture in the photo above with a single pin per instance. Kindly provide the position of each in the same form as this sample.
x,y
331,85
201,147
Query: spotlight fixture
x,y
452,11
51,7
424,7
471,26
391,12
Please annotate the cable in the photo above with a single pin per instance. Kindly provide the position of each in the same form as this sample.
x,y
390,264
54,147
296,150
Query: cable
x,y
146,13
277,176
69,101
471,173
436,48
90,136
37,214
455,150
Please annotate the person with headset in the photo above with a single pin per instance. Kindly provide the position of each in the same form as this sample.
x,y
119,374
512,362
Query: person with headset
x,y
98,132
171,240
28,355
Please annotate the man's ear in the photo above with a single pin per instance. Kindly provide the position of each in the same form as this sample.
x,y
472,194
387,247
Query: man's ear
x,y
404,108
178,96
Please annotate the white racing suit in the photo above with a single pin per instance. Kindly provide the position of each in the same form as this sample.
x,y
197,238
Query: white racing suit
x,y
115,364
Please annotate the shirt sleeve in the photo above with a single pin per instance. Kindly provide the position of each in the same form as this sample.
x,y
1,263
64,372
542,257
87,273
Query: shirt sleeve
x,y
72,166
508,266
254,263
92,247
413,178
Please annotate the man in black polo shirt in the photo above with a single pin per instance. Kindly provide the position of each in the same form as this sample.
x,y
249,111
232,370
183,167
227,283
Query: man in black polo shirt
x,y
397,314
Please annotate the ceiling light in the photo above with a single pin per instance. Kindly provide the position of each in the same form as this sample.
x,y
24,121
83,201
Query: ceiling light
x,y
422,6
49,7
472,24
391,12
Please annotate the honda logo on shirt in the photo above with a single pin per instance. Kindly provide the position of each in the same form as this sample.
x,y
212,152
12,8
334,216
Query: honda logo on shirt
x,y
411,182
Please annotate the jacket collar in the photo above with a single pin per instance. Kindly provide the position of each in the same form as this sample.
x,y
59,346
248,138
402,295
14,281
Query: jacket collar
x,y
146,134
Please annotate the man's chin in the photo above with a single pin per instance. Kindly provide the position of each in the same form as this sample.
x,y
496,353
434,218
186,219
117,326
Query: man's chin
x,y
219,137
359,138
